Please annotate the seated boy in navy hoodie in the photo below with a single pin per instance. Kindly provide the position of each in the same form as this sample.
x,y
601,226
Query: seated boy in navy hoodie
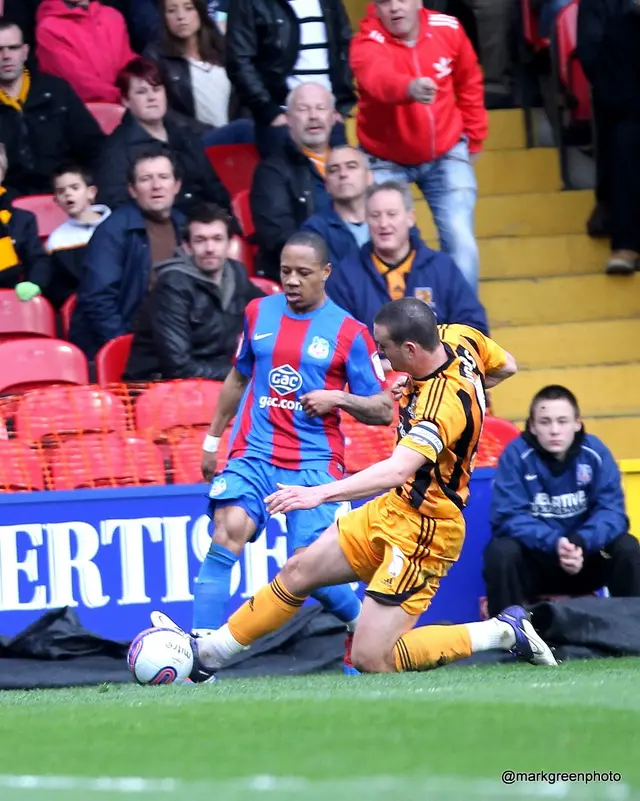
x,y
75,193
558,515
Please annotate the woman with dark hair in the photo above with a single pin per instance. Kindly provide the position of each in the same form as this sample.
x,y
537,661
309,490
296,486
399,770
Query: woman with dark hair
x,y
191,57
146,126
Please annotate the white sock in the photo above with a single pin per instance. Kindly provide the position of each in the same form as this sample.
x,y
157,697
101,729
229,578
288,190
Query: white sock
x,y
216,648
491,634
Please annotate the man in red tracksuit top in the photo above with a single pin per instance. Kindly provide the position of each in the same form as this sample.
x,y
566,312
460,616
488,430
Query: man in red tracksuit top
x,y
421,115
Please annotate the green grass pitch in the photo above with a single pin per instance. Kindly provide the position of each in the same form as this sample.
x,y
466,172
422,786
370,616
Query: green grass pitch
x,y
447,735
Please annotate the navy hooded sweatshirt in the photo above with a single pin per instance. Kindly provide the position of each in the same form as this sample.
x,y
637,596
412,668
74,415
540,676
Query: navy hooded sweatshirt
x,y
538,499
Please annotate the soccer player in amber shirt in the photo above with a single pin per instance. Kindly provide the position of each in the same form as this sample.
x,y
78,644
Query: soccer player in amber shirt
x,y
405,540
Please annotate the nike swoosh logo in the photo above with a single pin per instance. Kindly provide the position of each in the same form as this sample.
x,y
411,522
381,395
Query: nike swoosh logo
x,y
530,477
262,336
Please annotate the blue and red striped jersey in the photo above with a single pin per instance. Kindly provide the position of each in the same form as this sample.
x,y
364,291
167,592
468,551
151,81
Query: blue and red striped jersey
x,y
285,355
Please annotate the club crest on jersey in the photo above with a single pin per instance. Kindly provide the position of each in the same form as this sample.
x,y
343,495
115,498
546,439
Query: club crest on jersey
x,y
218,486
319,348
584,474
285,380
425,294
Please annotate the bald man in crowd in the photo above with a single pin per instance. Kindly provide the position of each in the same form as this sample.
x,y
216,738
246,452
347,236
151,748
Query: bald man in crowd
x,y
289,187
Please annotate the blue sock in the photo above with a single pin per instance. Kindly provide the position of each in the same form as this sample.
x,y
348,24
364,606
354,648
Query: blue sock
x,y
340,600
211,591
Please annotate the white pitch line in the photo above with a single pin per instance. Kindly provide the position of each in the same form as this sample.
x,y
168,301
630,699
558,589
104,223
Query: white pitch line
x,y
443,786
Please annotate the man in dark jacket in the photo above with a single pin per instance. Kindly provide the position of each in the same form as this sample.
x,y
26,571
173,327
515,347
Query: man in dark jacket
x,y
43,122
199,181
190,324
24,265
118,266
147,125
609,51
271,50
343,225
397,263
289,187
558,514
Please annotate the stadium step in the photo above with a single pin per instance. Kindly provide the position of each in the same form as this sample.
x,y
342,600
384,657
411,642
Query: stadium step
x,y
604,342
569,299
603,391
620,434
535,214
541,256
506,130
505,172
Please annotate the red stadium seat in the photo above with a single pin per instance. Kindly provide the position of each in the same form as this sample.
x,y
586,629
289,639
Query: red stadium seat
x,y
496,435
573,121
234,165
31,363
66,312
365,445
48,214
242,212
171,405
107,115
107,460
186,456
64,411
503,430
241,208
31,318
111,360
268,286
20,468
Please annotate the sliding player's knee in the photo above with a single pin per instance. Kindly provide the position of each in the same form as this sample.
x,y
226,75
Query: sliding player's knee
x,y
371,657
298,574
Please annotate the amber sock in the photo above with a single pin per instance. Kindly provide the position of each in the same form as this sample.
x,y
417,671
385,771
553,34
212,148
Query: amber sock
x,y
432,646
270,608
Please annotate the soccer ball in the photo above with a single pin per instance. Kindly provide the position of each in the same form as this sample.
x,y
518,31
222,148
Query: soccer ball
x,y
160,656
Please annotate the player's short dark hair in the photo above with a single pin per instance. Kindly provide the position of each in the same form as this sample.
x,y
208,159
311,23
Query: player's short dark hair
x,y
554,392
410,320
72,168
206,213
150,153
309,239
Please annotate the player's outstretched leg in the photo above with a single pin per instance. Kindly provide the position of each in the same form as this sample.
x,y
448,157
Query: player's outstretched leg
x,y
432,646
387,642
321,564
233,528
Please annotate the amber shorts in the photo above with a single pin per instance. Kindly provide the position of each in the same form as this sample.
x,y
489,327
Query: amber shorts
x,y
398,553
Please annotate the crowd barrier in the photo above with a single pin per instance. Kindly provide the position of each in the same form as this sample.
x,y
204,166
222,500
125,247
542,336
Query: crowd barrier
x,y
115,554
75,437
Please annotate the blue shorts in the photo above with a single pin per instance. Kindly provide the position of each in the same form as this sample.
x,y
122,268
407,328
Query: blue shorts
x,y
246,482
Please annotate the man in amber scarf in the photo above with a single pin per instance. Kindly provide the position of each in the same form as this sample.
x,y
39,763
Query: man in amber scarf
x,y
43,122
24,265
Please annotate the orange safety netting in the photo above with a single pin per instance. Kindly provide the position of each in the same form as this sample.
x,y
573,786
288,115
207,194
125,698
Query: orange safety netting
x,y
70,437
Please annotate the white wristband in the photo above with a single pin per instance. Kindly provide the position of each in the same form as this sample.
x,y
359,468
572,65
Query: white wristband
x,y
210,444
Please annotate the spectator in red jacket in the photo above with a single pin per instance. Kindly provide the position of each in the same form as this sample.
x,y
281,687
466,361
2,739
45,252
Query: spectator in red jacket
x,y
84,42
421,115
